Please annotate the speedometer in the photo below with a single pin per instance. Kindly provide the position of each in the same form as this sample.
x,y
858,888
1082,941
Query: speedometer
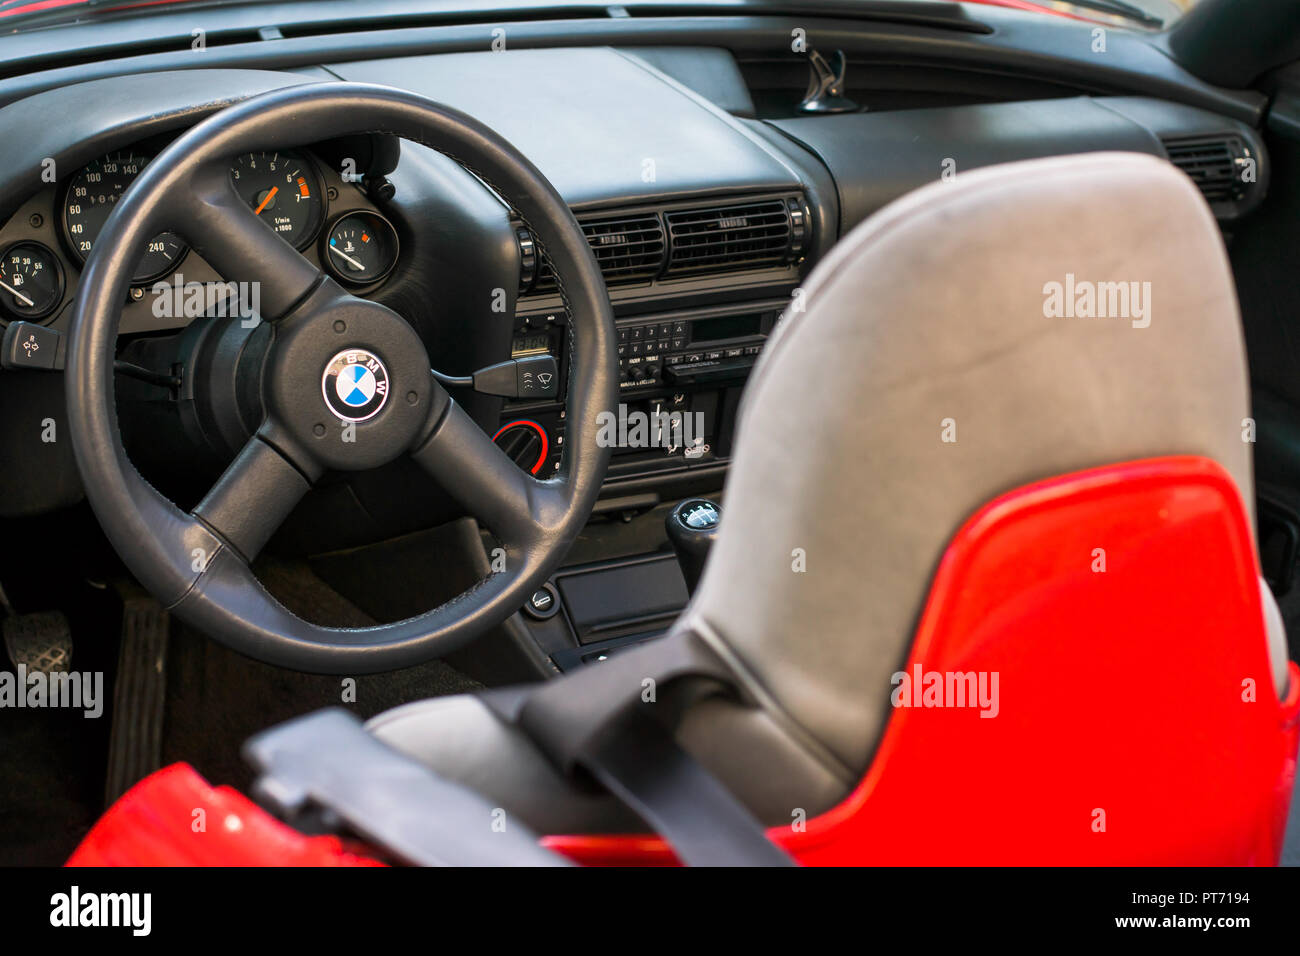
x,y
90,199
283,189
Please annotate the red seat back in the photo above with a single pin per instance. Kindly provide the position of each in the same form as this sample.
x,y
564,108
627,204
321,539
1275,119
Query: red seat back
x,y
1136,718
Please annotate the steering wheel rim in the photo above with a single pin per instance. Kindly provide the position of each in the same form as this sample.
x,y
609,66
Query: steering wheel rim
x,y
198,563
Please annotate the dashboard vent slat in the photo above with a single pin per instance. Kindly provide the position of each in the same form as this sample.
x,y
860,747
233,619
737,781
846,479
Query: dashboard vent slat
x,y
1212,162
627,249
728,238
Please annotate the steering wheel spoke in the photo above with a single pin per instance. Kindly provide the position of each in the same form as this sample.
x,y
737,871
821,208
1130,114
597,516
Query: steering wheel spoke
x,y
473,469
238,244
256,493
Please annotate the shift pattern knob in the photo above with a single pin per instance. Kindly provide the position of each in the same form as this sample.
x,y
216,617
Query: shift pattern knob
x,y
692,525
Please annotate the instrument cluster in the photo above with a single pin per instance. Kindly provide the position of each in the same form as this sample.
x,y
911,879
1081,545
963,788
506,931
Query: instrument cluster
x,y
285,188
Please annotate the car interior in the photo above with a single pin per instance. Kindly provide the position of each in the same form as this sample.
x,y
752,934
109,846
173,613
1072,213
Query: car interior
x,y
623,400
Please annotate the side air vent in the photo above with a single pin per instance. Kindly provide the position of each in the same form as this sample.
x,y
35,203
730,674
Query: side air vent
x,y
627,248
727,238
1221,166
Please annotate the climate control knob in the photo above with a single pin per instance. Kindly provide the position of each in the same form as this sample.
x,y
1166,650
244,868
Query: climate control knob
x,y
525,442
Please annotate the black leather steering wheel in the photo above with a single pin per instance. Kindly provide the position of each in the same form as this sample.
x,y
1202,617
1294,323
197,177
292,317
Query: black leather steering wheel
x,y
197,564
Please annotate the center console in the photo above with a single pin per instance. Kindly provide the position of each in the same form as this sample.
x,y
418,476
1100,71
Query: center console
x,y
681,377
697,287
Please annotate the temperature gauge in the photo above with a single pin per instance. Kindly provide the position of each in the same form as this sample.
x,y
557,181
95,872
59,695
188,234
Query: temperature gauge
x,y
360,248
31,281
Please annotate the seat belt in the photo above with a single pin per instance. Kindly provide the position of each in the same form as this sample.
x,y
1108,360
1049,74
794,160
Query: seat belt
x,y
322,770
615,722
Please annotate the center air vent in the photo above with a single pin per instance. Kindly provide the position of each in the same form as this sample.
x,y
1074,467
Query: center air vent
x,y
726,238
627,249
696,241
1217,164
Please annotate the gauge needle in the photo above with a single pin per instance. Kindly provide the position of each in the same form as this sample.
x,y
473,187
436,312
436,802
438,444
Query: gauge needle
x,y
347,258
22,298
269,197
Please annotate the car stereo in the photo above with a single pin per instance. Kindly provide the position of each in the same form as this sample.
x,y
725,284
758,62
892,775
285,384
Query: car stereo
x,y
684,363
690,350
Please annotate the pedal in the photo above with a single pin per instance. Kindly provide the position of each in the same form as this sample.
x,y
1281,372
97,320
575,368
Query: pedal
x,y
40,642
135,743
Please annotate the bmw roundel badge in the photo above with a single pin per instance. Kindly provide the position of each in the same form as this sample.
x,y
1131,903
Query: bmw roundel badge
x,y
355,385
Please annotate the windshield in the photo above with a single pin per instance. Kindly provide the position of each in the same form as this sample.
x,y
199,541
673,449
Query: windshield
x,y
17,15
1155,14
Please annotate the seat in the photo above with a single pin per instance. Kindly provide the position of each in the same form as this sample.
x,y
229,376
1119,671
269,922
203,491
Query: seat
x,y
975,364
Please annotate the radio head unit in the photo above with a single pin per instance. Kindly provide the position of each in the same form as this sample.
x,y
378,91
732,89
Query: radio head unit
x,y
690,348
688,366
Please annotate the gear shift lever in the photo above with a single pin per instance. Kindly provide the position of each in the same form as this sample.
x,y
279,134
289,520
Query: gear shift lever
x,y
692,526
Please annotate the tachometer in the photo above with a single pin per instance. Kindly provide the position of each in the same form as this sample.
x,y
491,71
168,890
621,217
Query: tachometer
x,y
283,188
90,199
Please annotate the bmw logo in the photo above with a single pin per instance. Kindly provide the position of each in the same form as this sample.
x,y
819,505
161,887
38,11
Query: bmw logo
x,y
355,385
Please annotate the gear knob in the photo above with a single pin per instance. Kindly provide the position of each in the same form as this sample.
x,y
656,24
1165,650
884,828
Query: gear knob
x,y
692,525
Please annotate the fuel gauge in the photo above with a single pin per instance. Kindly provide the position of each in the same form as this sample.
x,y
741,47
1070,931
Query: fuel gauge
x,y
31,281
360,248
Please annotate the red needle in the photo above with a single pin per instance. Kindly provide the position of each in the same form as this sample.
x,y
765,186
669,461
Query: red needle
x,y
269,197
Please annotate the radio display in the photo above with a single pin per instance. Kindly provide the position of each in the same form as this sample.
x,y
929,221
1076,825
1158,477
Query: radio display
x,y
527,344
725,327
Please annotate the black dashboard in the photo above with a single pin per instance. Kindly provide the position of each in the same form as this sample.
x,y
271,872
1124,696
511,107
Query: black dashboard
x,y
704,193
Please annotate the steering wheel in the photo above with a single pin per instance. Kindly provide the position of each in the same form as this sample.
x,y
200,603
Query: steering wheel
x,y
198,563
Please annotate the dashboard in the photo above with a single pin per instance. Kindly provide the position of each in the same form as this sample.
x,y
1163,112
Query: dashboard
x,y
704,192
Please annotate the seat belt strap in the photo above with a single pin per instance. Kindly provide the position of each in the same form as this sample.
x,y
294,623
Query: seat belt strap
x,y
647,770
615,722
325,769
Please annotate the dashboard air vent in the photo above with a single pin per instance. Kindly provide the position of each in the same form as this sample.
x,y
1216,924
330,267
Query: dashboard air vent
x,y
727,238
627,248
1215,163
